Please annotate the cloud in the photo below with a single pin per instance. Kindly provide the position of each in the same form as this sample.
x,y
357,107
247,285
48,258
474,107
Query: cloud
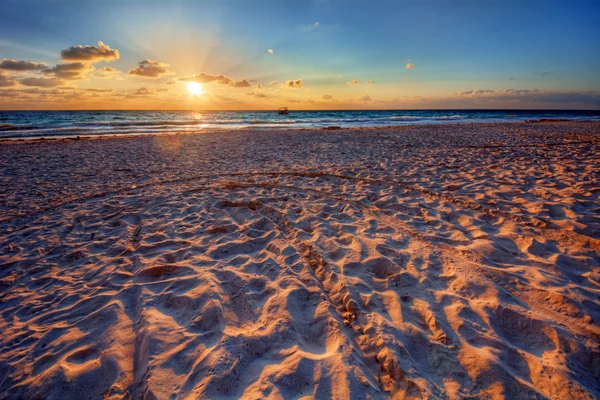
x,y
273,83
107,72
71,71
258,86
5,80
327,97
96,90
241,84
150,69
511,79
41,82
369,82
257,95
90,53
410,65
59,94
529,96
540,73
171,82
405,78
294,83
311,27
145,92
365,98
141,92
354,82
19,65
204,77
270,51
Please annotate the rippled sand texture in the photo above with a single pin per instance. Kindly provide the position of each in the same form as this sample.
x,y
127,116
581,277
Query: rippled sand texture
x,y
419,262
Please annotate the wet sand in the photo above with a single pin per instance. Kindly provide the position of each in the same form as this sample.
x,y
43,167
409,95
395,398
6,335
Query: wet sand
x,y
440,261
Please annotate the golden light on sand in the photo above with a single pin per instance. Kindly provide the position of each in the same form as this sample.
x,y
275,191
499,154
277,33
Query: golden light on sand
x,y
195,89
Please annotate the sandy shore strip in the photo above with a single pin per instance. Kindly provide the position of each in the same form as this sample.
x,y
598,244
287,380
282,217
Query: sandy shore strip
x,y
434,261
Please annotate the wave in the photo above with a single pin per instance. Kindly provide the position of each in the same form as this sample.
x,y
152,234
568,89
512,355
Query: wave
x,y
57,124
10,127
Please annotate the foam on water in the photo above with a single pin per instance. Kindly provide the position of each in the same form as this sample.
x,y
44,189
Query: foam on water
x,y
33,124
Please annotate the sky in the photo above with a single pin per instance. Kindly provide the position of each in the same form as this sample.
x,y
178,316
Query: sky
x,y
319,54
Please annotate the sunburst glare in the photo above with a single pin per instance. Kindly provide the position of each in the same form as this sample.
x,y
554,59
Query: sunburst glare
x,y
195,89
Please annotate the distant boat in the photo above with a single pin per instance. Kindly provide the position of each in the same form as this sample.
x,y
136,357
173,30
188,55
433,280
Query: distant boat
x,y
283,111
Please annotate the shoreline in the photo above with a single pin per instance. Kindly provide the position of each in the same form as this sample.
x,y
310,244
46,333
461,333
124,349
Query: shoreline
x,y
68,138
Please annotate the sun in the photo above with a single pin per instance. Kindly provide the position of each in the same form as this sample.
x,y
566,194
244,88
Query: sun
x,y
195,89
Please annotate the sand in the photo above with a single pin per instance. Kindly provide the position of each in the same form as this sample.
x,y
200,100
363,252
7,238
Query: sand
x,y
441,261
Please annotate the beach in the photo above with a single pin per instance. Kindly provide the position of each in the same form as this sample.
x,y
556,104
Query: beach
x,y
430,261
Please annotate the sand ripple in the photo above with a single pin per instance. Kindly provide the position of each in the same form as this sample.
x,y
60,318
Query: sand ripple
x,y
416,262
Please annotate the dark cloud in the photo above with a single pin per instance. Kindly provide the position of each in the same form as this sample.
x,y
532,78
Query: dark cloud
x,y
528,96
540,73
150,69
19,65
327,97
90,53
221,79
71,71
5,80
42,82
294,83
365,98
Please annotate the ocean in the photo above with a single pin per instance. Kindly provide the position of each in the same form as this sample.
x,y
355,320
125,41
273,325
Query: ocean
x,y
46,124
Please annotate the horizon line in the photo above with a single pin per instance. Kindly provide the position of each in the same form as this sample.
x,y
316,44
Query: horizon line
x,y
306,110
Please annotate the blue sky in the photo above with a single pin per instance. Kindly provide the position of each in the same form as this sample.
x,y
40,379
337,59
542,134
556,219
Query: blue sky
x,y
465,53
